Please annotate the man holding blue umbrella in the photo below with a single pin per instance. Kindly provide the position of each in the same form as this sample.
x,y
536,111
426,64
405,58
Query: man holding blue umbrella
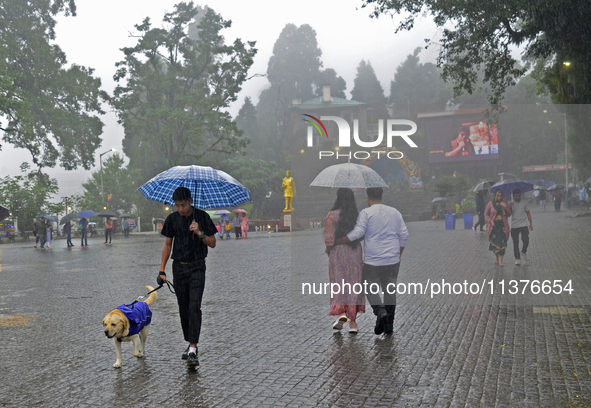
x,y
192,231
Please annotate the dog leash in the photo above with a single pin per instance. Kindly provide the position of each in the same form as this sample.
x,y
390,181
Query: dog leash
x,y
140,298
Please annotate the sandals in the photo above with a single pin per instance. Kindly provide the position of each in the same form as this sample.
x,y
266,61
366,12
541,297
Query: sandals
x,y
338,325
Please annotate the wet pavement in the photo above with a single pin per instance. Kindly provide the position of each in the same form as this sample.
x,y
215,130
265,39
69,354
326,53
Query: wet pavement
x,y
265,344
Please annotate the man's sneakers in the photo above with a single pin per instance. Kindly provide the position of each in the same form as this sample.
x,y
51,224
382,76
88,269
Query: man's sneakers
x,y
191,357
524,257
192,360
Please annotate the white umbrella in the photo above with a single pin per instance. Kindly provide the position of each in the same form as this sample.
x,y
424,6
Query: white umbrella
x,y
348,175
483,185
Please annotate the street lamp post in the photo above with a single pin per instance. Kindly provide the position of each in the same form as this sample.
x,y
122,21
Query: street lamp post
x,y
101,161
565,154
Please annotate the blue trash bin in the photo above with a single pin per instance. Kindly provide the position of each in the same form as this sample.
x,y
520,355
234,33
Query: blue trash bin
x,y
468,221
450,221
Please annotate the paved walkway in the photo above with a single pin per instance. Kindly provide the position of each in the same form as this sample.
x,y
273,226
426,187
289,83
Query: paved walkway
x,y
265,344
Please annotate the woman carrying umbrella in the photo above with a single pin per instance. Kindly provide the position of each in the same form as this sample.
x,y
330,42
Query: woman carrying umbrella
x,y
496,215
345,262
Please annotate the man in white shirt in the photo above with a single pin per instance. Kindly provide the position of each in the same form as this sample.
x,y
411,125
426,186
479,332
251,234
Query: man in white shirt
x,y
519,225
385,238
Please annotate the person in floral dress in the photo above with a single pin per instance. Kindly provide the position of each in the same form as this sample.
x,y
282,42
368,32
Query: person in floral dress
x,y
345,262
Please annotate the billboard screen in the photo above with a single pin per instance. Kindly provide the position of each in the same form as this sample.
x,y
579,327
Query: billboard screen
x,y
458,139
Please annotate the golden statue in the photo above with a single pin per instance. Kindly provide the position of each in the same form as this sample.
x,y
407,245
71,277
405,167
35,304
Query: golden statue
x,y
289,191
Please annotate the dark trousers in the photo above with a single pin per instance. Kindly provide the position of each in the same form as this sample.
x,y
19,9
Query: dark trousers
x,y
189,282
108,234
126,232
382,276
524,231
481,221
238,232
69,240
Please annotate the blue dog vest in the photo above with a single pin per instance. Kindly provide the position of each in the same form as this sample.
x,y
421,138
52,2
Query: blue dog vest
x,y
139,315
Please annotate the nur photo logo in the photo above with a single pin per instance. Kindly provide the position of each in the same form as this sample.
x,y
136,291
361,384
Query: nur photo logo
x,y
389,131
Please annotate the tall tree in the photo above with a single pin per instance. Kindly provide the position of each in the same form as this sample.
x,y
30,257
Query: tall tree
x,y
293,72
174,90
295,64
556,36
367,88
417,86
337,84
27,197
114,187
477,33
247,123
46,107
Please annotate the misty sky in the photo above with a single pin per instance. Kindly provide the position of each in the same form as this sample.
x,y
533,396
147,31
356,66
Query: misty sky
x,y
345,33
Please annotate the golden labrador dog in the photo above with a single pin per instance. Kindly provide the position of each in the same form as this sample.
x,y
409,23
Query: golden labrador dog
x,y
130,323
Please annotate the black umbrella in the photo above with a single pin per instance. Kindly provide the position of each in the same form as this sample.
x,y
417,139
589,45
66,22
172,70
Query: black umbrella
x,y
556,187
158,220
107,213
125,216
588,181
67,218
4,213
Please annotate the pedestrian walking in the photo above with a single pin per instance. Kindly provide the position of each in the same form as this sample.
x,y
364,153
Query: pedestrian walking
x,y
49,232
108,230
582,197
42,234
520,218
385,235
244,226
345,262
220,229
68,232
83,228
237,228
537,196
125,227
496,214
480,207
557,196
543,200
35,229
193,232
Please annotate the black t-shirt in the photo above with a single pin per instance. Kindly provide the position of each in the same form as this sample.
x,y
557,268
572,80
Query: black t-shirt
x,y
186,246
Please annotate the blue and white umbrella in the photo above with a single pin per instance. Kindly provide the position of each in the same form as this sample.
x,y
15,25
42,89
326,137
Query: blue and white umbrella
x,y
507,186
210,188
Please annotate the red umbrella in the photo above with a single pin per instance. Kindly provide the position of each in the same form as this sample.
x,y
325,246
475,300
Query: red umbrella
x,y
240,210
